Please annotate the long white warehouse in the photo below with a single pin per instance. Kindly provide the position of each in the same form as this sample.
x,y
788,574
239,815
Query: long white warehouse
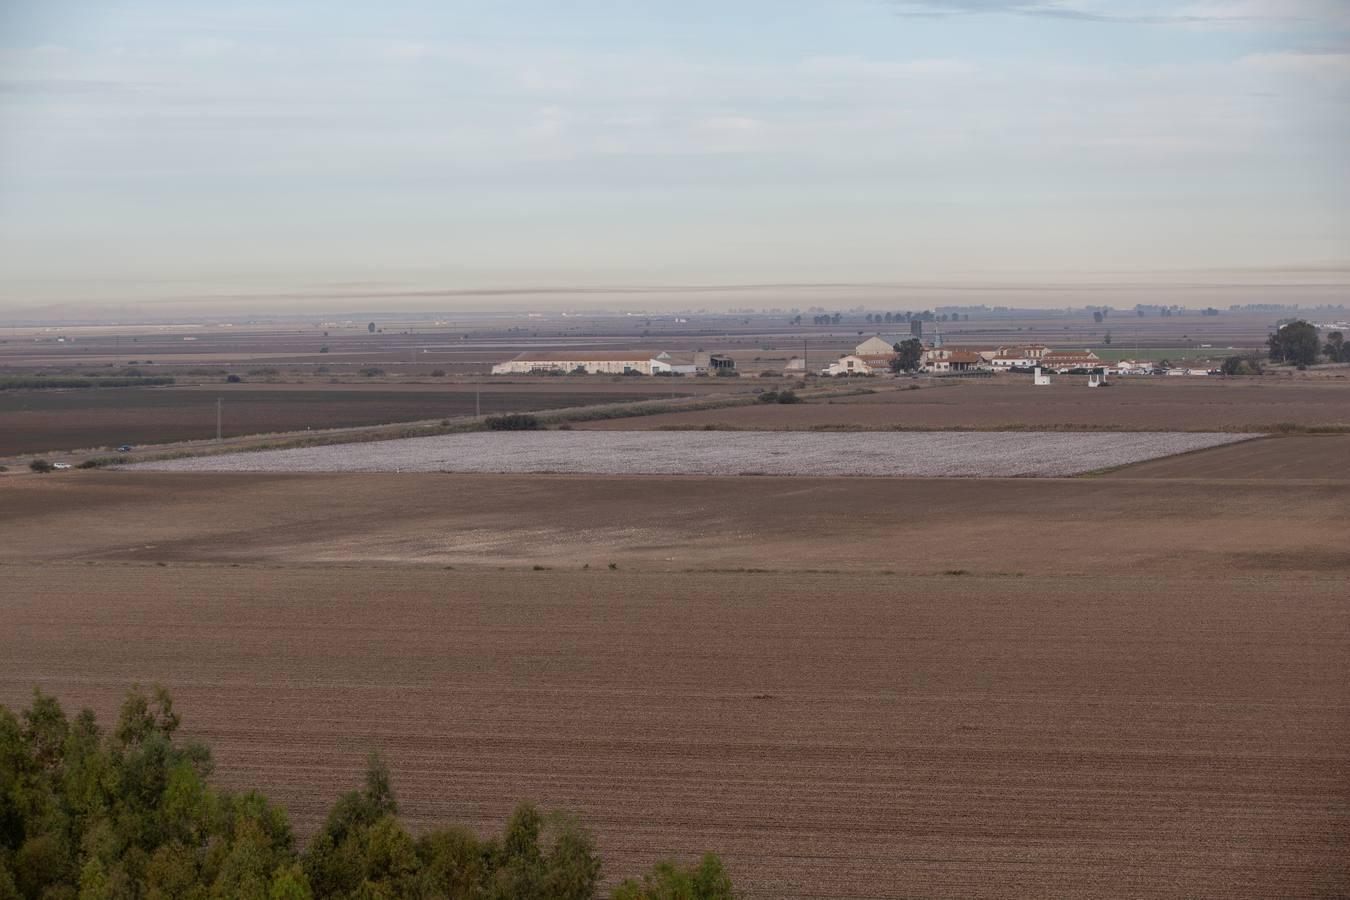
x,y
592,362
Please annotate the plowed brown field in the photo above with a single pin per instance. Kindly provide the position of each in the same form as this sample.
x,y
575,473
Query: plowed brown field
x,y
1157,404
883,688
1315,457
872,736
35,421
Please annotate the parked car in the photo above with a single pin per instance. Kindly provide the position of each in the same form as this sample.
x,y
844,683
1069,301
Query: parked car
x,y
62,466
125,448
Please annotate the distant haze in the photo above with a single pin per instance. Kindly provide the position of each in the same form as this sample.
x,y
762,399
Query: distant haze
x,y
168,155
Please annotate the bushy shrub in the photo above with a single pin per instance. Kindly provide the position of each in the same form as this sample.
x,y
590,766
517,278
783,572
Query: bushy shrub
x,y
513,422
437,373
233,379
706,881
372,371
98,462
41,465
1240,365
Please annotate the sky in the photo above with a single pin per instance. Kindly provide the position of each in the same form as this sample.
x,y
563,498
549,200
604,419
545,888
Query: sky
x,y
262,152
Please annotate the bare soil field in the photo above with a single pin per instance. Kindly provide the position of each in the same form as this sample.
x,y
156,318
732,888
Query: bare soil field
x,y
979,455
870,736
35,421
881,688
1162,404
1292,458
1104,525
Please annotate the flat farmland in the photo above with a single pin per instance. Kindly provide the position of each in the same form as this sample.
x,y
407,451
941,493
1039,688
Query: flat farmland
x,y
878,688
1161,404
35,421
863,736
974,455
1291,460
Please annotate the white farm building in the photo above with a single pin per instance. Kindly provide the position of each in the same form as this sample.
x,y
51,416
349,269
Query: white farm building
x,y
880,345
592,362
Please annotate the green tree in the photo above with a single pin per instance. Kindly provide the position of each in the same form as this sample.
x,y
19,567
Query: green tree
x,y
453,861
908,355
1294,343
1336,349
131,814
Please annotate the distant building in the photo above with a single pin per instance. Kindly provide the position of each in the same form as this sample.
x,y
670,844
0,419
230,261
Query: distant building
x,y
848,365
666,364
953,360
1067,360
880,345
1017,356
712,362
592,362
795,366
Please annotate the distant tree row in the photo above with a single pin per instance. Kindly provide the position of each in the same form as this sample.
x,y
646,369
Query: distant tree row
x,y
130,814
886,318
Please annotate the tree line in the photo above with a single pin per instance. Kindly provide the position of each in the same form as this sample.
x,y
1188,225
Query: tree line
x,y
131,815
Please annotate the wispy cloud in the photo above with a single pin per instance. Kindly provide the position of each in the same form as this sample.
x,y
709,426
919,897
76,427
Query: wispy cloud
x,y
1249,12
1335,65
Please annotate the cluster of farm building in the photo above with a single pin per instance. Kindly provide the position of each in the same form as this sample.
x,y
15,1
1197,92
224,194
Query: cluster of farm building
x,y
874,356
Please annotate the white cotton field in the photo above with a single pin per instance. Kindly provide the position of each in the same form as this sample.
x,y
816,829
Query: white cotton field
x,y
916,454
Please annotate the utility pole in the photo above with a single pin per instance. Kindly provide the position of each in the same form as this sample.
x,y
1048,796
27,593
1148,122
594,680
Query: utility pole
x,y
219,403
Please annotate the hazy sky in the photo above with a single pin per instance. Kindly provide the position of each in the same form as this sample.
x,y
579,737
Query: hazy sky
x,y
153,148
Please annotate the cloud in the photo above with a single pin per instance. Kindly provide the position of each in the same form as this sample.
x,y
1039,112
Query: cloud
x,y
1221,14
853,66
53,87
1316,64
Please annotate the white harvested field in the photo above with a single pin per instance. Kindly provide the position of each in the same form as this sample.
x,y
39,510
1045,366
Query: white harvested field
x,y
915,454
